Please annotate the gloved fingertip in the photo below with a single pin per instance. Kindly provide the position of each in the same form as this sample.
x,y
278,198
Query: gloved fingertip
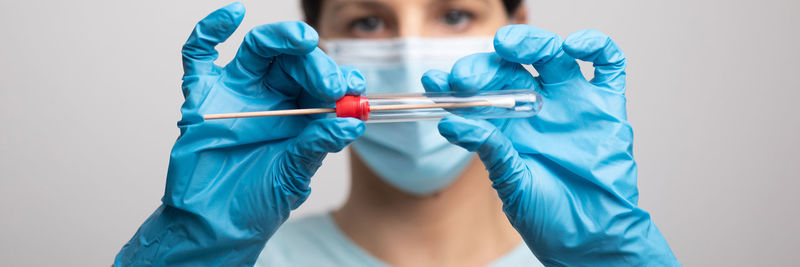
x,y
334,86
340,131
507,41
435,81
526,44
328,135
509,35
476,72
584,42
356,83
318,74
300,38
581,35
220,24
352,126
466,133
308,37
447,127
236,9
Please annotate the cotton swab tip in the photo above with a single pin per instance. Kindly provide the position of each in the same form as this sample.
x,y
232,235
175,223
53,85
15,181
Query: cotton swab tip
x,y
504,102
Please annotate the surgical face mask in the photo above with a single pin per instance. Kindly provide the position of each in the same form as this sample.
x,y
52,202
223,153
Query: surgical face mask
x,y
411,156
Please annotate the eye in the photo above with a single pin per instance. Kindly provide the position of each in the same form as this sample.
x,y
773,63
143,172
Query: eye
x,y
457,18
367,25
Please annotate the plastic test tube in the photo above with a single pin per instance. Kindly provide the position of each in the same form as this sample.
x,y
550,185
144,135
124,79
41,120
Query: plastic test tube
x,y
516,103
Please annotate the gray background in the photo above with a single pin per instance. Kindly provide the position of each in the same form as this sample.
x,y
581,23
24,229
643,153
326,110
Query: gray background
x,y
89,97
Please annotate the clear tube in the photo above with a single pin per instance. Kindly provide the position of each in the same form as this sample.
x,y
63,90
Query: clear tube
x,y
516,103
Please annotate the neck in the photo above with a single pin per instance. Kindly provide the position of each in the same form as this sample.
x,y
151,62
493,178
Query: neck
x,y
461,225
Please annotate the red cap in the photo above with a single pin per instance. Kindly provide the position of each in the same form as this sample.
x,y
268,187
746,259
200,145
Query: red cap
x,y
353,106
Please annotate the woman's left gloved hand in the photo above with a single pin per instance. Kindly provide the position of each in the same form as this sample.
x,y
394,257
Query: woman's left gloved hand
x,y
566,177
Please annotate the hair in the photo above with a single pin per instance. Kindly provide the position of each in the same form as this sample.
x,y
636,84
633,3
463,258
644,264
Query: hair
x,y
311,9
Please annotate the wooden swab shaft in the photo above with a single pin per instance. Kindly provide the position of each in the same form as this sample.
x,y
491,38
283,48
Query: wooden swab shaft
x,y
269,113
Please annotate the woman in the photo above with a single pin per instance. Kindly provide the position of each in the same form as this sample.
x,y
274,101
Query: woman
x,y
566,179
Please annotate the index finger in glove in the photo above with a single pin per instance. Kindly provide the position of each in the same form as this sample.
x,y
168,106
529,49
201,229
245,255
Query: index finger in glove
x,y
263,43
598,48
285,57
486,72
315,73
530,45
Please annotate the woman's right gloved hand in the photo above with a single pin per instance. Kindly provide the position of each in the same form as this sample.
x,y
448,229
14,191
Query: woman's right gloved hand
x,y
231,183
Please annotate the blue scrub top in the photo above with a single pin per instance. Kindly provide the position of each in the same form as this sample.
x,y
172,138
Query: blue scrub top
x,y
317,241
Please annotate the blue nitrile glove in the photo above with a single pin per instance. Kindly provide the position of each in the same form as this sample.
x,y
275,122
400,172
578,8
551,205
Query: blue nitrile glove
x,y
566,177
232,182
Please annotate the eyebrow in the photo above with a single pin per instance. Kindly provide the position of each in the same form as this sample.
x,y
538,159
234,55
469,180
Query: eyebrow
x,y
446,1
378,4
363,4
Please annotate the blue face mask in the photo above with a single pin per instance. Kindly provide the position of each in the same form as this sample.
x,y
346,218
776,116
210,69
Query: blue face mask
x,y
411,156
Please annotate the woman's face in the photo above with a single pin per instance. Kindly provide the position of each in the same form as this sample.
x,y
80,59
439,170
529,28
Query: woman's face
x,y
417,18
